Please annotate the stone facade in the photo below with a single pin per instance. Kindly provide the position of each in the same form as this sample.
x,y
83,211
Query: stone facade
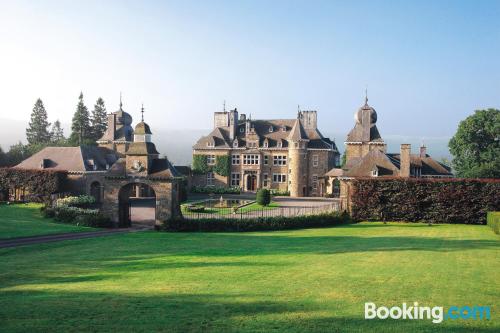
x,y
280,154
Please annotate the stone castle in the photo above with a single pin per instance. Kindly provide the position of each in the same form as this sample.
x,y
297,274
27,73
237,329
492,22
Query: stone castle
x,y
285,155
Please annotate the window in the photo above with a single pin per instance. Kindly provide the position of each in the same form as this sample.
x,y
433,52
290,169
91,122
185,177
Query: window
x,y
266,180
242,129
235,144
210,159
252,144
279,178
210,144
315,160
235,159
235,179
266,144
375,172
279,160
283,129
250,159
280,144
210,178
315,182
266,159
271,129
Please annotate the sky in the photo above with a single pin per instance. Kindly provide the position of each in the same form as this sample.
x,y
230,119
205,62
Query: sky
x,y
426,64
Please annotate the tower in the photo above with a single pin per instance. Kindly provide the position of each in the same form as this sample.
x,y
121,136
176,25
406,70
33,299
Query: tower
x,y
142,151
297,159
118,135
365,136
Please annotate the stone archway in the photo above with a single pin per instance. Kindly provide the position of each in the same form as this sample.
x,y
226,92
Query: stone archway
x,y
137,205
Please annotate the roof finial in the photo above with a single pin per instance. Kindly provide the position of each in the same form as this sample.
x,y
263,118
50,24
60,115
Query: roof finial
x,y
224,106
366,96
298,111
142,112
121,101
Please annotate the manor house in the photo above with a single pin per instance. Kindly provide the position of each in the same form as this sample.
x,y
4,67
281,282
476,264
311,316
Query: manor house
x,y
287,155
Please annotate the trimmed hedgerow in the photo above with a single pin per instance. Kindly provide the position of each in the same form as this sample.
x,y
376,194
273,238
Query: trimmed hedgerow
x,y
40,184
493,220
431,200
257,224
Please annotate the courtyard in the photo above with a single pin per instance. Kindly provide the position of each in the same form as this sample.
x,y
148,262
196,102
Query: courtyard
x,y
313,280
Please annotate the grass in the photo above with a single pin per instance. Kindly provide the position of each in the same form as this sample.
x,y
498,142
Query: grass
x,y
23,220
226,211
314,280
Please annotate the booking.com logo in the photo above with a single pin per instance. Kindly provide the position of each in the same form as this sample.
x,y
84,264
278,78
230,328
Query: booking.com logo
x,y
416,312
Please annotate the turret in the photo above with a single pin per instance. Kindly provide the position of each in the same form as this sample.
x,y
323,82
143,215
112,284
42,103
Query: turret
x,y
297,160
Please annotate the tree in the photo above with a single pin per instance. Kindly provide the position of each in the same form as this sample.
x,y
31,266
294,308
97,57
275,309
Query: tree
x,y
99,120
476,145
3,158
17,153
263,197
56,133
37,131
80,125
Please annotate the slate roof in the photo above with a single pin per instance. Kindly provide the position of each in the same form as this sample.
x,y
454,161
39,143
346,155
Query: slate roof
x,y
142,148
160,168
274,130
142,128
123,130
390,164
76,159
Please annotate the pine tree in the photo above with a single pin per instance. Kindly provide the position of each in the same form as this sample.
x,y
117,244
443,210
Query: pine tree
x,y
80,125
56,133
99,119
37,132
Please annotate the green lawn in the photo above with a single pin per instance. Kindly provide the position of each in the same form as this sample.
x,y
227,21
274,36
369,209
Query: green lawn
x,y
226,211
314,280
23,220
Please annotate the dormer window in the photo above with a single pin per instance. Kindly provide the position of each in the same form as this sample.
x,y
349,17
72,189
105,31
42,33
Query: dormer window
x,y
266,144
280,144
242,129
283,129
271,129
375,172
210,144
235,144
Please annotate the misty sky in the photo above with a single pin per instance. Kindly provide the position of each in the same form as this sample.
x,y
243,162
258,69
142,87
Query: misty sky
x,y
427,64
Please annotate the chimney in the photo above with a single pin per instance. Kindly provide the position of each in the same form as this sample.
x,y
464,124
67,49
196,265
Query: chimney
x,y
423,151
404,167
233,124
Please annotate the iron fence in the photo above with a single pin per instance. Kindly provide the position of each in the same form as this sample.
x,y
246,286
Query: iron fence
x,y
261,212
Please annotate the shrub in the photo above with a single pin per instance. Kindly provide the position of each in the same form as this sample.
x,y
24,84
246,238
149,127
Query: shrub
x,y
493,220
270,223
48,212
75,201
93,220
281,193
263,197
430,200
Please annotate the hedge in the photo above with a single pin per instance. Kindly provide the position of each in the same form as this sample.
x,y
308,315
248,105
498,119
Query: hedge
x,y
257,224
40,184
72,210
493,220
216,189
431,200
